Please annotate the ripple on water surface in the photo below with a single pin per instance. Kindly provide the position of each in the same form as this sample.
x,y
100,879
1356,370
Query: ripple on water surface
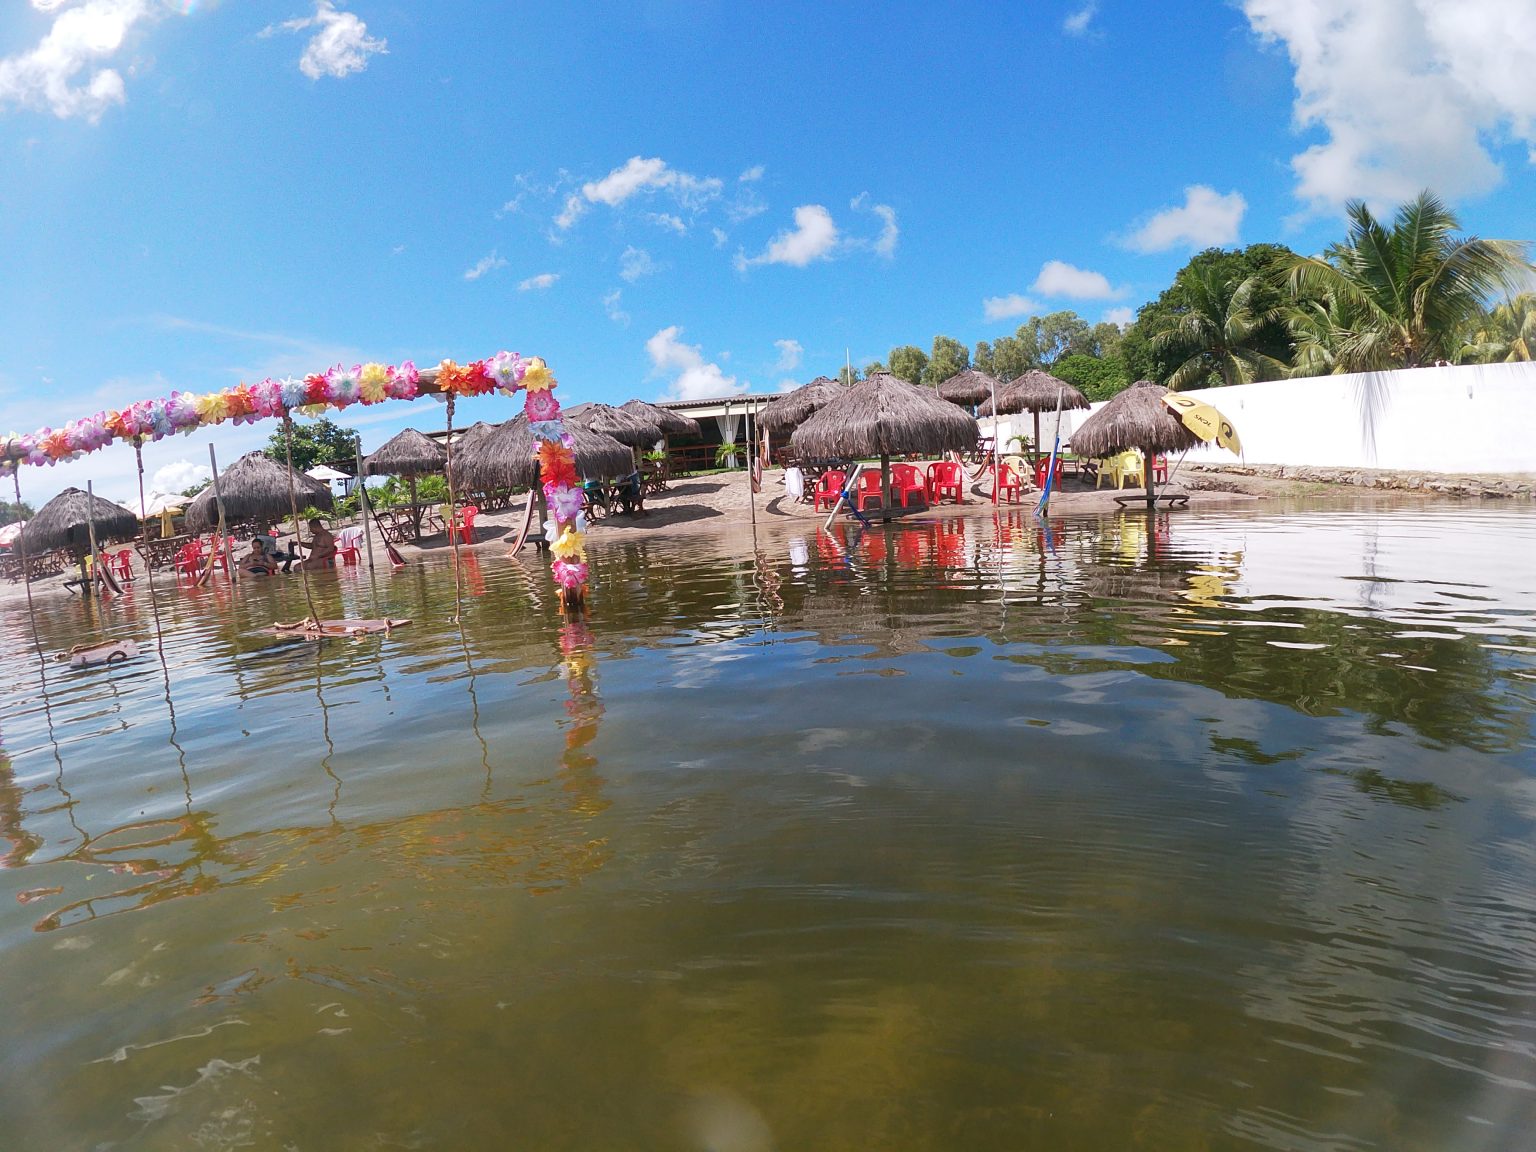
x,y
1192,830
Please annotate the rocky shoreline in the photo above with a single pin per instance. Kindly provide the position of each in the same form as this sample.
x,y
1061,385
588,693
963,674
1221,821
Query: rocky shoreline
x,y
1513,485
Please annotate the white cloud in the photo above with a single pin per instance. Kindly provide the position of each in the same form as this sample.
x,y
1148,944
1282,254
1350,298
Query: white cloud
x,y
540,282
788,384
1206,219
641,174
790,355
611,306
339,47
1002,307
1077,23
1120,316
635,263
695,379
885,243
752,174
483,265
174,477
668,221
60,74
720,237
1061,279
813,238
1408,92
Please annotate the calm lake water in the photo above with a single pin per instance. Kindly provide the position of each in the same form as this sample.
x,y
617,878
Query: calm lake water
x,y
1213,830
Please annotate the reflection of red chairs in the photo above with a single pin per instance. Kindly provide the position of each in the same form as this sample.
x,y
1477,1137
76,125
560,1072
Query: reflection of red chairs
x,y
949,545
874,543
1007,481
828,485
906,482
945,476
869,489
909,547
464,525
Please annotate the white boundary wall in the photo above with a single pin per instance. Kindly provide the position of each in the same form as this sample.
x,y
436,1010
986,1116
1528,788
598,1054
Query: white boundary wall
x,y
1470,418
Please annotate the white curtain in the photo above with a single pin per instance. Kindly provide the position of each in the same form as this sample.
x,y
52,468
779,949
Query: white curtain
x,y
729,423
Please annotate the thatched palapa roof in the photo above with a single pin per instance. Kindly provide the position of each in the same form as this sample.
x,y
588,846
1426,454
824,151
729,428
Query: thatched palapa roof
x,y
1034,391
411,453
671,423
970,386
885,416
796,407
1136,418
505,457
606,420
255,487
61,523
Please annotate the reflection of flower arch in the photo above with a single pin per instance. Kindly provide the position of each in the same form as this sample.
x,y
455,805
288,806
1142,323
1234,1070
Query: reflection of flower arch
x,y
340,387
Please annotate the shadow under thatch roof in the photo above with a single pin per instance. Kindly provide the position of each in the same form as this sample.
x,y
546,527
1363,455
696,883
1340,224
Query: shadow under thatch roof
x,y
885,416
62,523
792,408
671,423
255,487
410,453
505,457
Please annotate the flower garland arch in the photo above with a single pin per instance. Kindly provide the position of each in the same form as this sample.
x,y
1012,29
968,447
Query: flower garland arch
x,y
340,387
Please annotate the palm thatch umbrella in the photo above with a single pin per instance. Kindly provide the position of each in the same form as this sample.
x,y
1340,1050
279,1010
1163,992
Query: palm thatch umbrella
x,y
671,423
970,387
885,416
67,520
1035,391
1136,418
606,420
410,454
792,408
506,457
255,487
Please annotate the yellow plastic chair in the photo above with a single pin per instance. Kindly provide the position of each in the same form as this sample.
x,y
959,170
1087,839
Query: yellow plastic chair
x,y
1117,468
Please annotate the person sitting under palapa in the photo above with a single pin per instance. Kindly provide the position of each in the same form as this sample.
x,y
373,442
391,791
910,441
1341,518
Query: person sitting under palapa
x,y
631,495
258,561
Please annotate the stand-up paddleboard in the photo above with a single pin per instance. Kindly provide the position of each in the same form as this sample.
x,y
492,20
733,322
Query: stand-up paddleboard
x,y
522,534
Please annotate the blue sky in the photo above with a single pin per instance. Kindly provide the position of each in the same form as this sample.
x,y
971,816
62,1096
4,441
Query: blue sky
x,y
668,199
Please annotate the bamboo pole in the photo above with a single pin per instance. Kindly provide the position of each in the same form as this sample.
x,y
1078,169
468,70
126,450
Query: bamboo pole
x,y
362,501
89,588
218,499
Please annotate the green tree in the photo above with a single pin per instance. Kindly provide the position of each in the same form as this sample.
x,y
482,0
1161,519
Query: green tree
x,y
1055,335
848,375
872,367
1268,262
1219,338
908,362
1096,377
981,359
949,358
317,442
1504,334
194,489
1402,297
1012,357
11,512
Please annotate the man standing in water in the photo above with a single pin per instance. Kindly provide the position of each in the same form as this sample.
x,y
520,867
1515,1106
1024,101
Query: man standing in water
x,y
321,547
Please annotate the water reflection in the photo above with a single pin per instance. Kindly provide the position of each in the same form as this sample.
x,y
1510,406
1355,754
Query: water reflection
x,y
1161,831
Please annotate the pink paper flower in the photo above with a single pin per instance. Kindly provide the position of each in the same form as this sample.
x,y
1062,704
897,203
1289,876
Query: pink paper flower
x,y
542,406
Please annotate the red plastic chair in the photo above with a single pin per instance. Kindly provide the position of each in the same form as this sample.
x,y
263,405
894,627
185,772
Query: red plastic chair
x,y
869,489
1008,481
122,565
347,553
906,482
828,485
465,525
945,476
1160,469
1042,467
188,559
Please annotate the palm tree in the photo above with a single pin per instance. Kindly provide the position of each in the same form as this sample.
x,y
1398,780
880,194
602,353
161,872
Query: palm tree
x,y
1221,332
1399,297
1504,335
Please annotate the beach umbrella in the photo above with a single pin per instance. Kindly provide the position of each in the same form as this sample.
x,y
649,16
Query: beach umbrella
x,y
885,416
506,457
606,420
325,473
785,412
9,533
409,454
1138,419
66,522
970,387
1036,392
163,502
1205,421
255,487
671,423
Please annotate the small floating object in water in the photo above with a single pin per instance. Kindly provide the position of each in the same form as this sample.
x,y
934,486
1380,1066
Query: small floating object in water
x,y
310,627
84,655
